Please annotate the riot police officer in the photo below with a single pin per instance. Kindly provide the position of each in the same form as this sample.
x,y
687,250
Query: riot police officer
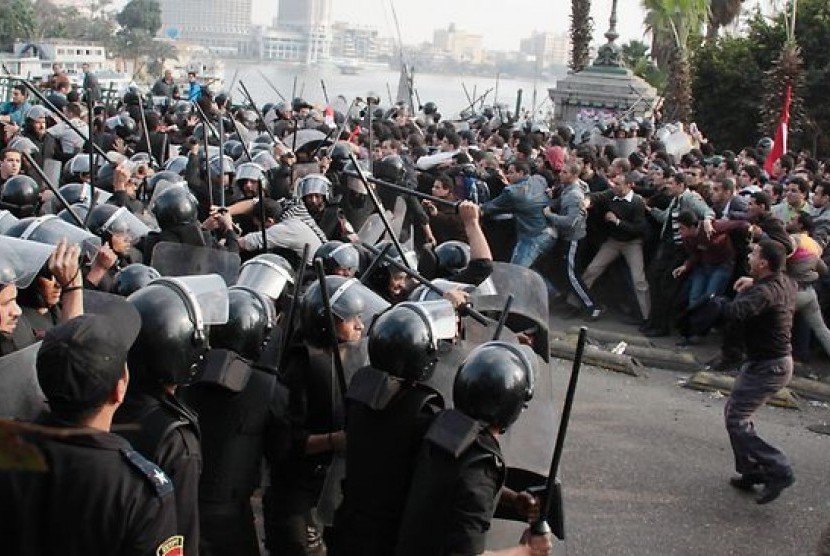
x,y
316,192
388,412
243,416
175,316
460,470
291,524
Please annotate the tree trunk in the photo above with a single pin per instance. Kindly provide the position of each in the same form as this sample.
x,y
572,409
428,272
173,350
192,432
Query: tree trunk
x,y
678,105
581,29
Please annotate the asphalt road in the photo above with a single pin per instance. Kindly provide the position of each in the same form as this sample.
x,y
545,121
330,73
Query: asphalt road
x,y
646,469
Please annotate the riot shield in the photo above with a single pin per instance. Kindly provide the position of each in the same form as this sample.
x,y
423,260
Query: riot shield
x,y
528,444
178,259
529,311
7,220
20,393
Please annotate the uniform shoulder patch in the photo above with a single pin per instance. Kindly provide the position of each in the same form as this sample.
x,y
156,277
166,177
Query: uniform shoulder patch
x,y
152,472
174,546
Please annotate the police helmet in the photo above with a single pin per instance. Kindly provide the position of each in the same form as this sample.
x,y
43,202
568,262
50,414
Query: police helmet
x,y
267,274
430,108
19,196
176,164
80,209
495,383
348,298
132,278
105,175
217,167
234,149
251,316
403,341
175,317
452,256
390,168
174,207
338,255
251,171
314,183
299,103
158,178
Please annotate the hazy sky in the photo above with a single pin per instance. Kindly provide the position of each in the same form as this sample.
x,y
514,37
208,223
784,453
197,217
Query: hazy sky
x,y
502,23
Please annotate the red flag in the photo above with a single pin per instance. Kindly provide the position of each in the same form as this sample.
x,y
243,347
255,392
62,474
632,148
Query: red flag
x,y
780,145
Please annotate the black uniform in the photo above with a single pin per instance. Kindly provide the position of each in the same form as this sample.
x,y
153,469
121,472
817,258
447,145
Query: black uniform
x,y
243,413
168,435
454,491
99,496
296,484
386,423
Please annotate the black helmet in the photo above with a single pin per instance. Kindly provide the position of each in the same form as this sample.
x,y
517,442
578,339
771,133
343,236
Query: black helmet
x,y
495,383
349,298
452,256
19,196
299,103
80,209
765,144
336,255
82,193
176,164
132,278
339,151
105,175
430,108
403,341
390,168
234,149
154,180
251,316
108,220
175,314
174,207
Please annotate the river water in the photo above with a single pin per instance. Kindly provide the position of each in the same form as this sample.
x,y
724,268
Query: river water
x,y
447,91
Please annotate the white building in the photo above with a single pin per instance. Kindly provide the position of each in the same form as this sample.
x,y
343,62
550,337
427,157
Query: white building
x,y
223,27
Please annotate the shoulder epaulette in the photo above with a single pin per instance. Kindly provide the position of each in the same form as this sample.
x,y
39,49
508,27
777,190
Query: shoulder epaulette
x,y
150,471
453,432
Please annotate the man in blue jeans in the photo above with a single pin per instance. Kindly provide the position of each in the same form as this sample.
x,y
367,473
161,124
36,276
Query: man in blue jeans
x,y
525,198
765,305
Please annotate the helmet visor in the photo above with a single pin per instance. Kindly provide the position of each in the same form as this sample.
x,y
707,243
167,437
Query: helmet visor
x,y
51,229
351,299
439,315
125,223
21,260
7,220
206,293
264,276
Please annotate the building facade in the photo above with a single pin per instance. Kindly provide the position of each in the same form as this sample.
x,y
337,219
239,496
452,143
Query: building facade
x,y
222,27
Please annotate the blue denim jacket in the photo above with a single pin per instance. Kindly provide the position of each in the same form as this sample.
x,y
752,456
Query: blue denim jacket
x,y
525,200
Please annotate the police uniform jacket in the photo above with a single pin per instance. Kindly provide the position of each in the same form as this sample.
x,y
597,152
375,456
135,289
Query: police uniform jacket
x,y
169,436
386,422
454,491
98,496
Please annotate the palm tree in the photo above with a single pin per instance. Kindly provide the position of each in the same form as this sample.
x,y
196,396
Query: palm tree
x,y
582,27
721,14
671,24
